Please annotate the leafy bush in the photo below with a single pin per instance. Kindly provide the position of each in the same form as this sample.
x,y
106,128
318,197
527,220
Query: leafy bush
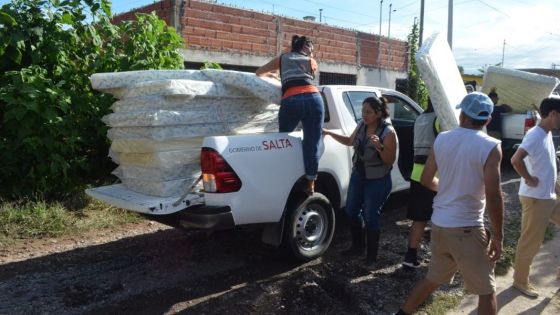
x,y
51,137
416,88
211,65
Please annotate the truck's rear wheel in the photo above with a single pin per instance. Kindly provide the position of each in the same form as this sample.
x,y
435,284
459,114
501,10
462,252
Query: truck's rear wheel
x,y
309,227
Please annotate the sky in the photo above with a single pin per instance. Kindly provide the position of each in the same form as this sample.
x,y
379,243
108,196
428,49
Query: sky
x,y
480,28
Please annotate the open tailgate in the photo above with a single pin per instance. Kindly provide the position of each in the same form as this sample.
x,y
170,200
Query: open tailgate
x,y
119,196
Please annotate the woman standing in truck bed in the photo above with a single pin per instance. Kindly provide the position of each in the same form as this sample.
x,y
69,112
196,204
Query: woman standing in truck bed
x,y
301,101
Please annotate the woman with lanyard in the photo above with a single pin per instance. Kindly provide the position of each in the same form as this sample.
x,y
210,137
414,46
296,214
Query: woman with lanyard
x,y
375,149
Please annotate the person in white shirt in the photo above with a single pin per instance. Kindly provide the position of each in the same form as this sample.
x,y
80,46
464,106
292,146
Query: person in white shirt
x,y
467,161
535,162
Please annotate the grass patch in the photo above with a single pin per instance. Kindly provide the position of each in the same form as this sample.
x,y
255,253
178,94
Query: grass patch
x,y
440,303
26,219
512,230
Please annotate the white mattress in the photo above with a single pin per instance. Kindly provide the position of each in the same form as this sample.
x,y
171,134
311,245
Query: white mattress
x,y
519,89
161,117
440,73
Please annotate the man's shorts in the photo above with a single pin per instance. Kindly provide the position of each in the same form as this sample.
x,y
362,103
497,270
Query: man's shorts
x,y
463,249
421,202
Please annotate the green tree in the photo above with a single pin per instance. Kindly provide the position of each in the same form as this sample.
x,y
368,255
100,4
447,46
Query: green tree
x,y
52,140
211,65
416,88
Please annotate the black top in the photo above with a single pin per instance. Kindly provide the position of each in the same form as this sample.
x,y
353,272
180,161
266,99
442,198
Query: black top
x,y
496,123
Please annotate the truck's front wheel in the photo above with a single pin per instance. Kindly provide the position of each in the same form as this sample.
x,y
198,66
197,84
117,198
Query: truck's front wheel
x,y
309,227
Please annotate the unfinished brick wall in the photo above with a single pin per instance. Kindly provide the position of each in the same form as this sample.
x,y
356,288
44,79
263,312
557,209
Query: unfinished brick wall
x,y
219,28
331,44
213,27
369,47
394,54
163,9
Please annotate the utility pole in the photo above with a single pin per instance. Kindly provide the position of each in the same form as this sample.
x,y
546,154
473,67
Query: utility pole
x,y
390,11
379,42
503,52
421,23
380,16
450,24
320,15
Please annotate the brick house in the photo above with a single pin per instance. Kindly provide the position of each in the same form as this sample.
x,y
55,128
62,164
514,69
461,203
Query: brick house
x,y
244,40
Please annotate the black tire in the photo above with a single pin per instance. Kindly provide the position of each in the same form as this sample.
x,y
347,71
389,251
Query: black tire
x,y
309,227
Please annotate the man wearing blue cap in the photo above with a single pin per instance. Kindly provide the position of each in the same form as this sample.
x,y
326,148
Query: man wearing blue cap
x,y
468,164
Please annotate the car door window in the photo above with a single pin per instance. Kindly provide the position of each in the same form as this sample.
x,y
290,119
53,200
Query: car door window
x,y
400,109
327,113
353,101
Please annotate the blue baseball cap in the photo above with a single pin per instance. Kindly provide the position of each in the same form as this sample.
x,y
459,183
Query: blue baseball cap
x,y
477,105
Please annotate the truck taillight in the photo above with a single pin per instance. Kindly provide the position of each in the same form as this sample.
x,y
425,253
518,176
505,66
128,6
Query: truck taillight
x,y
530,121
217,175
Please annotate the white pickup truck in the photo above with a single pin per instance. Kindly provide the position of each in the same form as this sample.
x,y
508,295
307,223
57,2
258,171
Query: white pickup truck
x,y
514,127
257,179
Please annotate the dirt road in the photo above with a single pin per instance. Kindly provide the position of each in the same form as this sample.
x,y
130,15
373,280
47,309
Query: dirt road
x,y
151,269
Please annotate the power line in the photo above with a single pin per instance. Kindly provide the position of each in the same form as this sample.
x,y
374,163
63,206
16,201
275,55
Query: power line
x,y
431,10
407,5
349,23
494,8
337,8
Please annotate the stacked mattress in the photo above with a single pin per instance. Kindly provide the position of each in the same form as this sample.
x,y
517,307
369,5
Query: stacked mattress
x,y
440,73
161,117
521,90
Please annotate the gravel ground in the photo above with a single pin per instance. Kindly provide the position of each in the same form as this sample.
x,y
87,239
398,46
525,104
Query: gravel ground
x,y
148,268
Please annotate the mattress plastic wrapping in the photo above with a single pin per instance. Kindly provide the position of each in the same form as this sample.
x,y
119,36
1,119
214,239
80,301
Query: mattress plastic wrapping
x,y
161,117
440,73
519,89
160,173
155,159
180,103
175,132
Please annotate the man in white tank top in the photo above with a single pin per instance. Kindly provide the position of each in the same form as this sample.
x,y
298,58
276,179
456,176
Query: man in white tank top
x,y
468,165
535,162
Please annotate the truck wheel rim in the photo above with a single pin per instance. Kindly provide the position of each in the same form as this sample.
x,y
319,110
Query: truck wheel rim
x,y
310,227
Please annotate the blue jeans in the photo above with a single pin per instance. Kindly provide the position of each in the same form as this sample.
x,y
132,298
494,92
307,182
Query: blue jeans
x,y
366,197
309,109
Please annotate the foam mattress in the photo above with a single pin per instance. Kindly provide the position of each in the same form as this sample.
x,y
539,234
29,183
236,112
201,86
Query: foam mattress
x,y
440,73
519,89
161,117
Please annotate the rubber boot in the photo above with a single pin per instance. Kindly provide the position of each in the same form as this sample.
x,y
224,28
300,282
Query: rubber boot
x,y
372,246
358,240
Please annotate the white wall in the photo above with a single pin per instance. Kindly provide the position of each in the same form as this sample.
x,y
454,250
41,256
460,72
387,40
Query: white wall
x,y
364,75
379,77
